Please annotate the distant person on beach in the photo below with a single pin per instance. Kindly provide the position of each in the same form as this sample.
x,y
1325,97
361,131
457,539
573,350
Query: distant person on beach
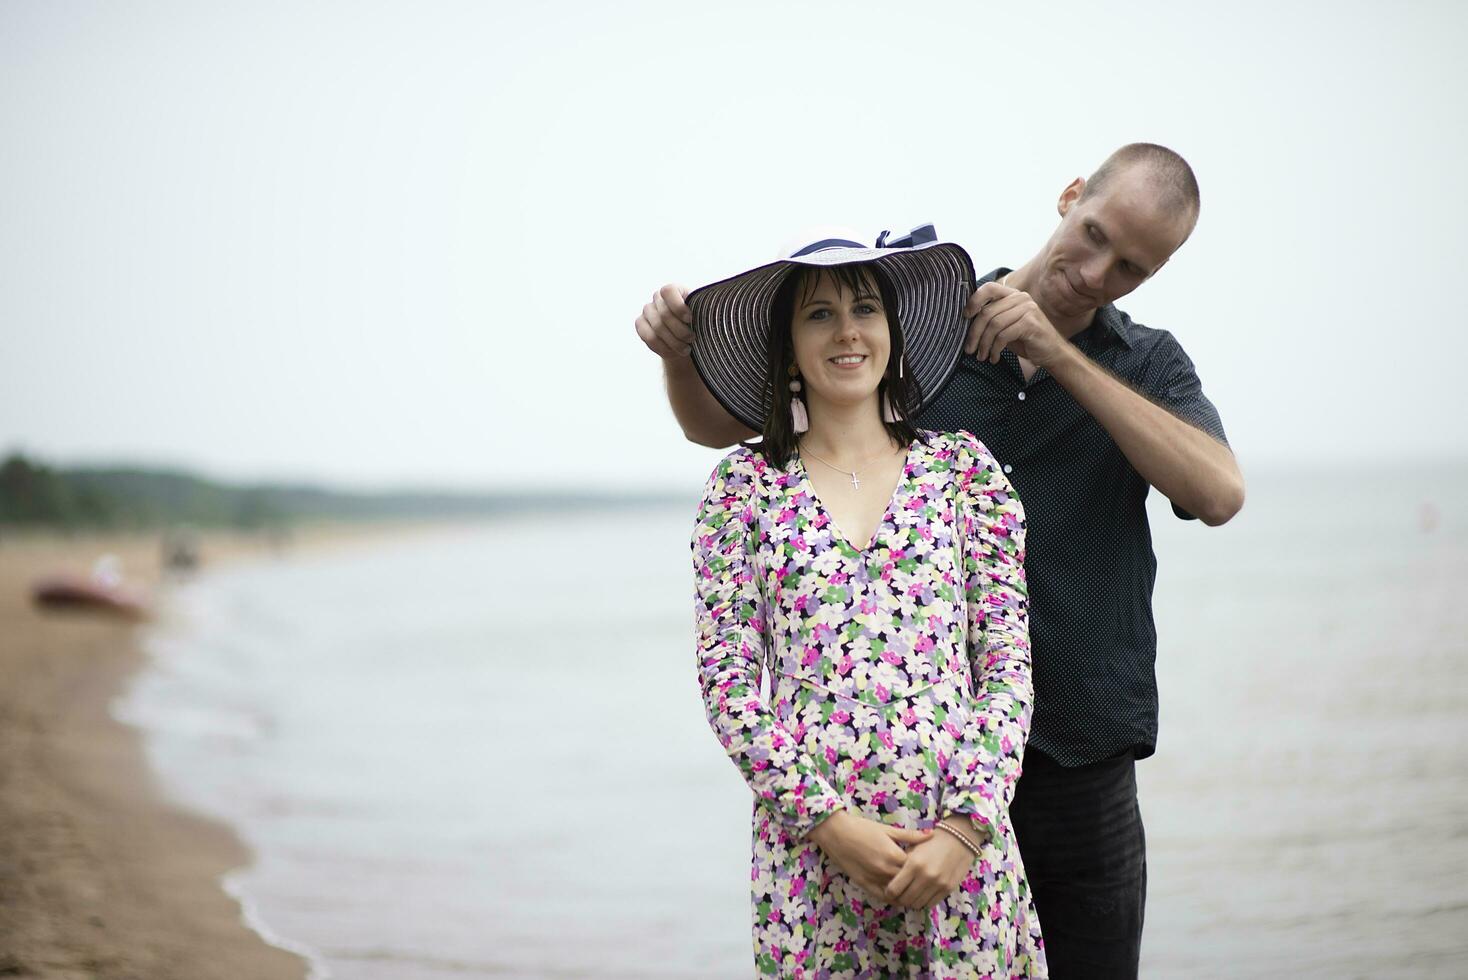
x,y
873,573
1086,410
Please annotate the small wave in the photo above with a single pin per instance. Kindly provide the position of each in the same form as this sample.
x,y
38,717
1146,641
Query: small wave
x,y
232,883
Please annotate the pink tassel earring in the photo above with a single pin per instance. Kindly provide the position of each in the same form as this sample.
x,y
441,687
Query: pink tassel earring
x,y
799,420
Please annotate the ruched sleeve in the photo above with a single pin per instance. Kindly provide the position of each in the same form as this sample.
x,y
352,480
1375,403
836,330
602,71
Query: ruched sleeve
x,y
729,615
986,763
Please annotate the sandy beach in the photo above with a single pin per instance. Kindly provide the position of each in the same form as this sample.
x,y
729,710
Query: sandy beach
x,y
100,877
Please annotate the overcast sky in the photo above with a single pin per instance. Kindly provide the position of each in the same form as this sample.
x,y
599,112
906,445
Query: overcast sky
x,y
386,244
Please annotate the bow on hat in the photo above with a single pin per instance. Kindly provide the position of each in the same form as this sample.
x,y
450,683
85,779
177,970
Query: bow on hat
x,y
920,235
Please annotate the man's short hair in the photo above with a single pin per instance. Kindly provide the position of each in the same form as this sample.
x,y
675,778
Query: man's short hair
x,y
1167,170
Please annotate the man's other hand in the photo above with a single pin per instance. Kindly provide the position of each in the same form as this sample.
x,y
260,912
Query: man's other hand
x,y
1005,317
664,325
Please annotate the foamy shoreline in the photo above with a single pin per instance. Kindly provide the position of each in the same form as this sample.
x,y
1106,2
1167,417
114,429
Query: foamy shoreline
x,y
100,873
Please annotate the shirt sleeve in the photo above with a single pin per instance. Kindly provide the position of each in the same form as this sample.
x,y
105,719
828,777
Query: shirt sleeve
x,y
986,763
729,615
1172,382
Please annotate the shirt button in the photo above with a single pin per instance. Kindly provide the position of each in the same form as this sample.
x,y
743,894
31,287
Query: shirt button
x,y
1021,396
1008,468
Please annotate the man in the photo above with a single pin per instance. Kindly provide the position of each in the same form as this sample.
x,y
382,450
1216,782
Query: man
x,y
1086,410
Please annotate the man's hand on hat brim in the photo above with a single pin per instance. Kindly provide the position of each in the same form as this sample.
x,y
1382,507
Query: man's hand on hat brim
x,y
664,323
1010,318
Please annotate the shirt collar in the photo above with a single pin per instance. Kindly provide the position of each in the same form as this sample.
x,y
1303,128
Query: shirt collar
x,y
1117,323
1112,321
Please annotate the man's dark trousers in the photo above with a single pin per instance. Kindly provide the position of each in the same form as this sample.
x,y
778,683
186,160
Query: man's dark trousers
x,y
1080,835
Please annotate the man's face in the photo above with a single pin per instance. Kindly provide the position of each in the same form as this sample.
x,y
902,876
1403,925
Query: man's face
x,y
1106,245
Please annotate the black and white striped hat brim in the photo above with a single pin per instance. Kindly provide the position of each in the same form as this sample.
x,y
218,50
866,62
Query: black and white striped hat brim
x,y
732,318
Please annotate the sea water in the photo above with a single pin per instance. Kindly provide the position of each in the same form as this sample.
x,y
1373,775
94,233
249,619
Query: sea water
x,y
480,752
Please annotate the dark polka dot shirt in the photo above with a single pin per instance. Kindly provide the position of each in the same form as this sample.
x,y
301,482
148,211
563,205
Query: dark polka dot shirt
x,y
1089,550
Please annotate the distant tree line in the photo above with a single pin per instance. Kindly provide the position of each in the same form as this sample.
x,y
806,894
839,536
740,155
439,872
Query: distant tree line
x,y
33,494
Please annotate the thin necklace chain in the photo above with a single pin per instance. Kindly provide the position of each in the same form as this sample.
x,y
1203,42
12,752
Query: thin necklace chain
x,y
851,473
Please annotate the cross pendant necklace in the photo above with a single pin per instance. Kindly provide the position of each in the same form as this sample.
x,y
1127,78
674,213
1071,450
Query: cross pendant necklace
x,y
855,483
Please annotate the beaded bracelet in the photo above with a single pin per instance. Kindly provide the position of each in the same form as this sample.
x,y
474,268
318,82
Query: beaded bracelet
x,y
963,838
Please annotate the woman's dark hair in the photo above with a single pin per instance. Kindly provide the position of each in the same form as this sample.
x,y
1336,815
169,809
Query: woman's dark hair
x,y
779,436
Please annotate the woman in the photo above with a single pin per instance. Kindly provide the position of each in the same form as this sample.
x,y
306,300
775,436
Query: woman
x,y
875,573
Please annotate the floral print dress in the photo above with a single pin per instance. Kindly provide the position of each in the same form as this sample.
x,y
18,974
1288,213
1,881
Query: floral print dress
x,y
898,687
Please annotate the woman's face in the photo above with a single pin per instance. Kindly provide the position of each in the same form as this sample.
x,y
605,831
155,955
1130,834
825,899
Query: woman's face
x,y
841,340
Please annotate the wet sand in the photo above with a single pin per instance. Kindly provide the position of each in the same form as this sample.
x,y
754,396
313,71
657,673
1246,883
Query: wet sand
x,y
100,877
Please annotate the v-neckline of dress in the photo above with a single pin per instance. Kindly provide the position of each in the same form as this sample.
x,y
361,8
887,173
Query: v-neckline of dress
x,y
836,529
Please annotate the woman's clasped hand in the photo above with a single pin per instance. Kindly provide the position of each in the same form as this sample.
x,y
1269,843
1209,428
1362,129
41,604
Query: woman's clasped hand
x,y
910,868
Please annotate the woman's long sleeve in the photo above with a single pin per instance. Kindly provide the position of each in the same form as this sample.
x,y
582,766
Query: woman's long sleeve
x,y
729,615
986,763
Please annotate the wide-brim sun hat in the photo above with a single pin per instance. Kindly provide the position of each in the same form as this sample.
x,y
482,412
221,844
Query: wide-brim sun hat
x,y
733,318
